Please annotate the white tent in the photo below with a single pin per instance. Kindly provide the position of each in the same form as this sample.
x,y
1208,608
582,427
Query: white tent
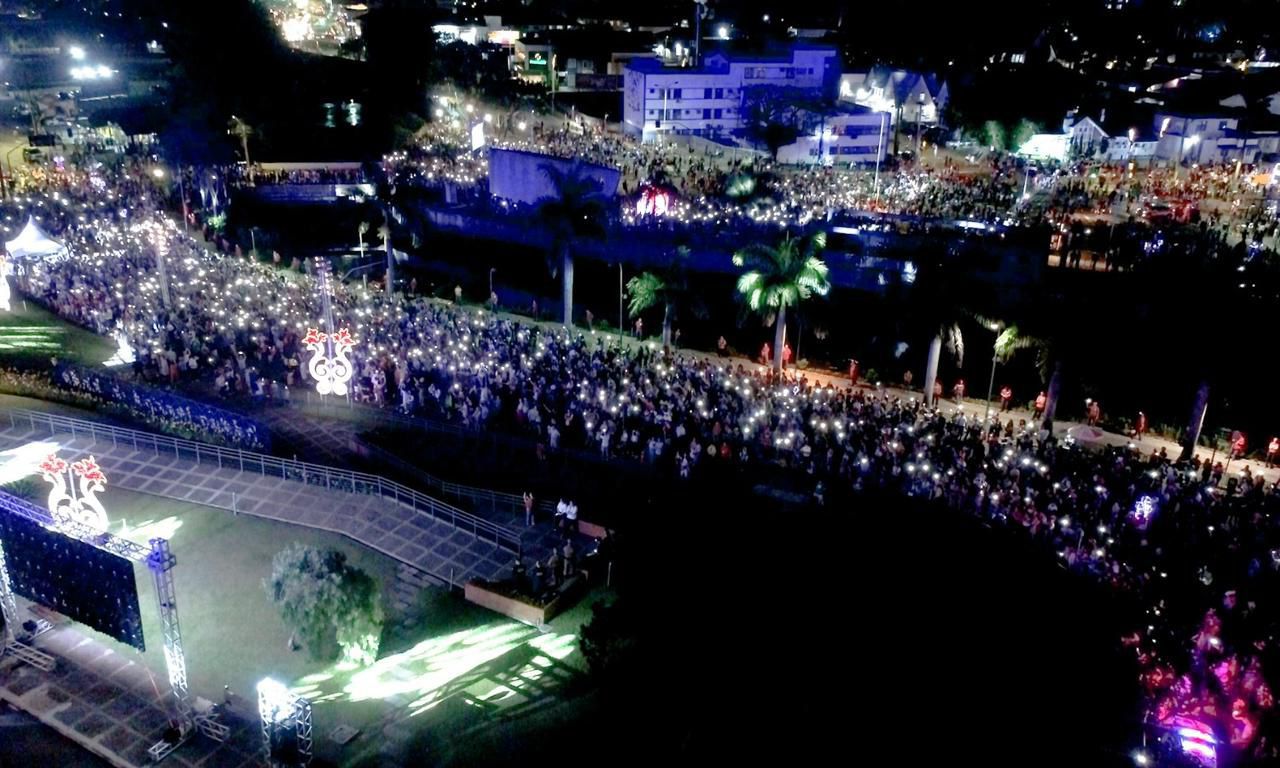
x,y
33,242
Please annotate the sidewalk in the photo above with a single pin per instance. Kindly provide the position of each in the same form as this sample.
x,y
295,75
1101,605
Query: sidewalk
x,y
115,707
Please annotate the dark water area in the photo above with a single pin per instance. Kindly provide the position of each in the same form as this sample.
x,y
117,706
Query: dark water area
x,y
302,230
883,631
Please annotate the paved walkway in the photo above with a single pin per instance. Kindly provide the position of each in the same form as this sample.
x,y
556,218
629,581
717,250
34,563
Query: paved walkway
x,y
114,706
395,529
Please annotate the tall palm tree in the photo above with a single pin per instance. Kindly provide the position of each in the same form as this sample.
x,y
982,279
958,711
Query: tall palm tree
x,y
1008,341
576,210
670,289
949,335
241,130
781,276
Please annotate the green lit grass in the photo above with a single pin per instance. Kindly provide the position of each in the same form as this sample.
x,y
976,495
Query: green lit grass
x,y
30,336
459,667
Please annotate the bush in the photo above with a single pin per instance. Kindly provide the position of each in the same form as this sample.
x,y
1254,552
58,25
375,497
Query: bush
x,y
333,606
608,640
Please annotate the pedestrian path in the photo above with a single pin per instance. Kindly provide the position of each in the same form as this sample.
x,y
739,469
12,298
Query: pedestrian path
x,y
115,707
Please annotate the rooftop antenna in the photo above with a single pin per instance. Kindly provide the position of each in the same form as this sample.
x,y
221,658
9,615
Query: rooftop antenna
x,y
700,10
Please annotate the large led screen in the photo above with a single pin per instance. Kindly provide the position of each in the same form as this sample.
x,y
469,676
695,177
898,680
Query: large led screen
x,y
78,580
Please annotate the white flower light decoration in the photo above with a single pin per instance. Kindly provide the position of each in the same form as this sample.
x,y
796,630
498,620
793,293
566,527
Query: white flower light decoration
x,y
329,366
72,504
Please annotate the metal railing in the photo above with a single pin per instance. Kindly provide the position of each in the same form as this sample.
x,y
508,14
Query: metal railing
x,y
479,498
331,478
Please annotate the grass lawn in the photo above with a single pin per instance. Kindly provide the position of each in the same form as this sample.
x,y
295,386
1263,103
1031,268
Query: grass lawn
x,y
30,335
449,666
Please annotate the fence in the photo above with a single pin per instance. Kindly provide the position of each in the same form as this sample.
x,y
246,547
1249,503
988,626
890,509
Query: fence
x,y
330,478
479,498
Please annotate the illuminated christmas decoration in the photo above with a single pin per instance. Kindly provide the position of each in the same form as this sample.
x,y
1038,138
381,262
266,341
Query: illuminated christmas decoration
x,y
75,504
1143,510
653,202
329,366
124,351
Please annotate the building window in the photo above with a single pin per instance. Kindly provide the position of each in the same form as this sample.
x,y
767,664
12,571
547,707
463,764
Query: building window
x,y
719,113
749,73
706,114
719,93
791,73
676,93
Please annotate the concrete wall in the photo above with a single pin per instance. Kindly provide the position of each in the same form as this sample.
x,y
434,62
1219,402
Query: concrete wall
x,y
519,176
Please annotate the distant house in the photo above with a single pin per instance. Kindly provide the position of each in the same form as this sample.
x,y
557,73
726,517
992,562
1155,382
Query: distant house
x,y
1086,138
1112,141
708,100
854,134
908,96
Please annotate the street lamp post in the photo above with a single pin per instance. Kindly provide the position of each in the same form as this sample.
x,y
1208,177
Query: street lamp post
x,y
991,385
620,292
1185,143
8,159
919,122
884,119
999,328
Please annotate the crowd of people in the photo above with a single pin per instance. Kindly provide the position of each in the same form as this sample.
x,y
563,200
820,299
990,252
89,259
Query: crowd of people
x,y
1199,552
719,190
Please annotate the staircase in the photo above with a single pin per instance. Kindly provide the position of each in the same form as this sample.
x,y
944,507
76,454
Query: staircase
x,y
407,588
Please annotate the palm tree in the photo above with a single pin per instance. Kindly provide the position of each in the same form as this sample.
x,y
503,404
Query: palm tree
x,y
670,289
1194,426
575,211
1008,341
950,335
781,276
242,131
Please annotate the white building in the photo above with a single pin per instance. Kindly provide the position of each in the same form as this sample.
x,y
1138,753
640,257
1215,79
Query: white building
x,y
920,97
708,100
854,135
1199,139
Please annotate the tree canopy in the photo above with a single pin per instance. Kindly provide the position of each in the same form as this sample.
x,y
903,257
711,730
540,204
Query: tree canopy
x,y
332,605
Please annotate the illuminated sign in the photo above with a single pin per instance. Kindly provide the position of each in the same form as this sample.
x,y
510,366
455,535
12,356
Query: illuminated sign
x,y
537,60
329,366
653,202
503,36
75,504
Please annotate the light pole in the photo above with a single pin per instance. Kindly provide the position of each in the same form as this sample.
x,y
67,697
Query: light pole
x,y
491,271
1000,329
1128,160
1185,143
8,159
620,317
698,7
919,121
884,120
